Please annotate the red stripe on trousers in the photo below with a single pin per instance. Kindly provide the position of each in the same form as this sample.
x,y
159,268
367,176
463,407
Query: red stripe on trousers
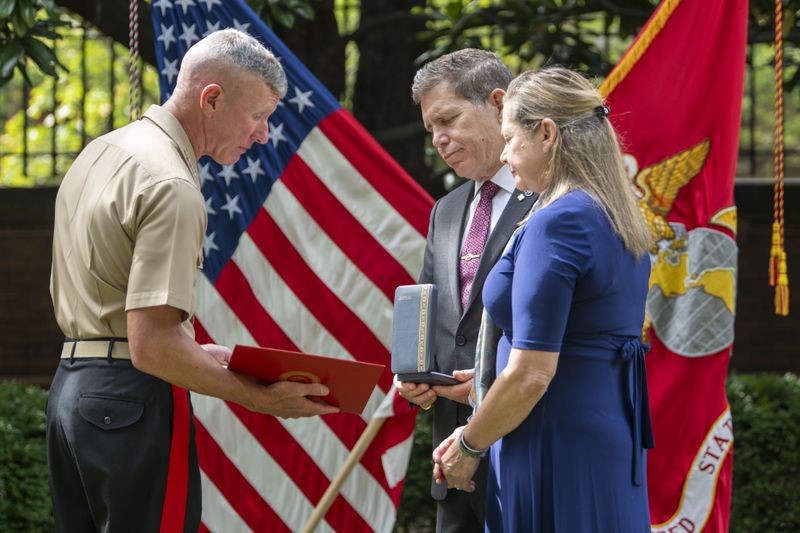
x,y
173,514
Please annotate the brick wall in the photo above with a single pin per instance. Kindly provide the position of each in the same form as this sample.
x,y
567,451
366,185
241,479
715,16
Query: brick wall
x,y
763,340
30,340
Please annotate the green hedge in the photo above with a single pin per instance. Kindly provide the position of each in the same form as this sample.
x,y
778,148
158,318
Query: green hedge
x,y
766,453
766,473
24,495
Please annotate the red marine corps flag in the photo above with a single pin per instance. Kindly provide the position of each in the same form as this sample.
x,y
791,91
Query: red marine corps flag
x,y
308,236
675,99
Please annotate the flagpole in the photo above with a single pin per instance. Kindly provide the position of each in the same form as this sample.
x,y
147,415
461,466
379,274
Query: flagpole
x,y
352,460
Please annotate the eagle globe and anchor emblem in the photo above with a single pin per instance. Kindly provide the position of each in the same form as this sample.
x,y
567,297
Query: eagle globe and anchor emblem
x,y
692,295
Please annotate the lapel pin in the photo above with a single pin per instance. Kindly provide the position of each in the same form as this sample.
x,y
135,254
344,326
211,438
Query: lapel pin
x,y
520,197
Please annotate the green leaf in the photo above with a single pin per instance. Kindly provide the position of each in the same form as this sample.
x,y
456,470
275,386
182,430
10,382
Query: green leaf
x,y
6,7
18,20
281,16
304,10
28,12
43,56
44,31
9,57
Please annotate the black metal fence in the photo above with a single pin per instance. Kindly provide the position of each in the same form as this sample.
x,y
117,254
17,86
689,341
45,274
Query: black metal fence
x,y
45,124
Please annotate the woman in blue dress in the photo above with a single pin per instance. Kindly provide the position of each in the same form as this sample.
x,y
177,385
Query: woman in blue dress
x,y
567,417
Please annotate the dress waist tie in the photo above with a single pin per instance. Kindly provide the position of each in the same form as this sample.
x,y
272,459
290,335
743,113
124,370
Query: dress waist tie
x,y
632,352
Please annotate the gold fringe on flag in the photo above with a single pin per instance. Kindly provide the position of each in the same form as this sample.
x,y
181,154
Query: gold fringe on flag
x,y
778,276
656,23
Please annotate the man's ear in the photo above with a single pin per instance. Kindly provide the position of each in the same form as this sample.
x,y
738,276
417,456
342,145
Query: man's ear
x,y
550,134
210,97
496,100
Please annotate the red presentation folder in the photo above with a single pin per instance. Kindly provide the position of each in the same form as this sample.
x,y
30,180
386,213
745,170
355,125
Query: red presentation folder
x,y
350,382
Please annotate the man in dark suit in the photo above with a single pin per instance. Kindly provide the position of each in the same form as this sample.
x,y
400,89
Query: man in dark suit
x,y
461,98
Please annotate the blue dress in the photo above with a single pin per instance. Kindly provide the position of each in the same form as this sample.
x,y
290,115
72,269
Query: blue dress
x,y
577,462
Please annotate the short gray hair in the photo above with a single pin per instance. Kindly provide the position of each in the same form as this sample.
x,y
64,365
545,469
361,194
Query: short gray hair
x,y
472,73
240,49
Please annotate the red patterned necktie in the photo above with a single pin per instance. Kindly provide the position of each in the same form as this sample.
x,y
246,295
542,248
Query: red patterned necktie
x,y
476,239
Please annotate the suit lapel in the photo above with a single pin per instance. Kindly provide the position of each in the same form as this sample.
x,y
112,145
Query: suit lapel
x,y
514,211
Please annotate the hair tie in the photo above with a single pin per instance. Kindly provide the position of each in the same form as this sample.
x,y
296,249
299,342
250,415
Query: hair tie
x,y
601,111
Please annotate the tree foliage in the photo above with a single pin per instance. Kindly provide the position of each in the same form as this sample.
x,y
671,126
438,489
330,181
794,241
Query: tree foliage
x,y
366,53
61,115
27,29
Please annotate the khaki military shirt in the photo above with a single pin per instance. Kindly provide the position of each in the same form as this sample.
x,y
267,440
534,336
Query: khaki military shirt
x,y
129,225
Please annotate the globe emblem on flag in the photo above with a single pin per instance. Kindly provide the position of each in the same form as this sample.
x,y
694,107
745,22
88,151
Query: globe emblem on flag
x,y
691,301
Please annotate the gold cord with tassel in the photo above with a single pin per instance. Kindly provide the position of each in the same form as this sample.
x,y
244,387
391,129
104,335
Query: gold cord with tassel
x,y
778,276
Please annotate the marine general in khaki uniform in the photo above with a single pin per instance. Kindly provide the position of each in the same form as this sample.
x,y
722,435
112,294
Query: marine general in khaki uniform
x,y
129,225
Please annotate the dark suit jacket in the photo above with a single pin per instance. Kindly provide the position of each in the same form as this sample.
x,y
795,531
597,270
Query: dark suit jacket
x,y
457,331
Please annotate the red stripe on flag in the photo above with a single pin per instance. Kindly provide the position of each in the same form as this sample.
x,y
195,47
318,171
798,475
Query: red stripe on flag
x,y
326,307
235,290
343,228
238,492
278,442
298,465
200,333
347,427
380,170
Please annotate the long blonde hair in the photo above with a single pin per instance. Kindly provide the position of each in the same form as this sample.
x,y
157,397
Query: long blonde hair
x,y
586,153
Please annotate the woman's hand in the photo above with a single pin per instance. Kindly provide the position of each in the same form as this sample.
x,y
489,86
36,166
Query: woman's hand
x,y
452,466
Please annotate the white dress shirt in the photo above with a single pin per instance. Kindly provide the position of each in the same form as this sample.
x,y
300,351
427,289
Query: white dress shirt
x,y
505,181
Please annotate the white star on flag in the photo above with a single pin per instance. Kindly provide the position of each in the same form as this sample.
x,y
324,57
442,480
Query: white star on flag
x,y
209,208
302,99
241,26
167,36
211,3
170,70
205,174
189,35
163,5
276,134
254,169
209,244
228,173
212,28
232,206
185,4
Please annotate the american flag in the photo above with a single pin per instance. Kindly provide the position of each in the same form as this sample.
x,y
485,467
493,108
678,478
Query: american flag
x,y
308,236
